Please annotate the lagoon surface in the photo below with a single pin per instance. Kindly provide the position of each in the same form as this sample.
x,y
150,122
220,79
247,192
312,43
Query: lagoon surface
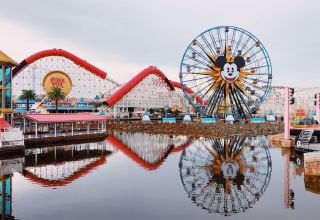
x,y
143,176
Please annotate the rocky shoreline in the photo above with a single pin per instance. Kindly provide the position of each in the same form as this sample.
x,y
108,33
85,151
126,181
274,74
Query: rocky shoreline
x,y
218,130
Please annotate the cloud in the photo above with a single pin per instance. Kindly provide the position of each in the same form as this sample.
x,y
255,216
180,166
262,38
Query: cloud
x,y
132,34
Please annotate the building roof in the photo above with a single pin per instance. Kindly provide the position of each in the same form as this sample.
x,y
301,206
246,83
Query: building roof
x,y
126,88
20,110
24,101
70,108
5,59
4,124
58,118
37,105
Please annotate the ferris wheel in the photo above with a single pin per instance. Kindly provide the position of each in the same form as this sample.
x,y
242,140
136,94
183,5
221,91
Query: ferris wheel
x,y
228,68
226,176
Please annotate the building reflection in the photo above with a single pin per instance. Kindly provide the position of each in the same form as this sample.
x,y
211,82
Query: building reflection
x,y
226,176
61,165
148,150
7,168
311,180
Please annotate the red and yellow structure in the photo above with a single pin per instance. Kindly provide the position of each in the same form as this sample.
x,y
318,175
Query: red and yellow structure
x,y
6,64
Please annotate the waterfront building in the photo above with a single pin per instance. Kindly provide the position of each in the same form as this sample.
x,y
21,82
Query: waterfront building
x,y
54,125
20,106
304,99
61,165
6,64
7,168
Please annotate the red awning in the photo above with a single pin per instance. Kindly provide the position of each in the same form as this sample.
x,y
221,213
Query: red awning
x,y
59,118
4,124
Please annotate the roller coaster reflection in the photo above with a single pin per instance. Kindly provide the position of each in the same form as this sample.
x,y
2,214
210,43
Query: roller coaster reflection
x,y
226,176
148,151
59,166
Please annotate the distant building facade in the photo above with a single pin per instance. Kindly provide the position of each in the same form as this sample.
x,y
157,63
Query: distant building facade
x,y
304,99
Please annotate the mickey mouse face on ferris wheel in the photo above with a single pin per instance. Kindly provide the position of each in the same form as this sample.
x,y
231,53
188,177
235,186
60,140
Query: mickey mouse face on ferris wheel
x,y
230,71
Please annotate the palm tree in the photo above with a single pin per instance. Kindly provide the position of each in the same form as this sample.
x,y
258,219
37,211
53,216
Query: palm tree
x,y
56,94
27,94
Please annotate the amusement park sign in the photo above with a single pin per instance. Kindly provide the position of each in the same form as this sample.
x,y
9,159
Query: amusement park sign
x,y
300,113
57,79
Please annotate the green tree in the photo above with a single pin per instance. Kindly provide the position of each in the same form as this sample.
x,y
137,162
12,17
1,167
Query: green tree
x,y
27,95
56,94
167,110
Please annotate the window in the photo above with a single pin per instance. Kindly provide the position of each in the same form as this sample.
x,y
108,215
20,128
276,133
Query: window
x,y
8,77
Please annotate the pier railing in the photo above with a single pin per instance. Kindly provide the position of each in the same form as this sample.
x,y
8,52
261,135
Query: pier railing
x,y
63,134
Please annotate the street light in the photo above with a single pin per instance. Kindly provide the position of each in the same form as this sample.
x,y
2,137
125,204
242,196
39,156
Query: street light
x,y
292,99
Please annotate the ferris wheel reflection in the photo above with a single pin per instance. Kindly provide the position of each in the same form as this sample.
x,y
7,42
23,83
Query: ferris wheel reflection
x,y
226,176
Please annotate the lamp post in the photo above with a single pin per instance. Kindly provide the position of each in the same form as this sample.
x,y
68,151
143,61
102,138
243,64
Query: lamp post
x,y
318,107
286,115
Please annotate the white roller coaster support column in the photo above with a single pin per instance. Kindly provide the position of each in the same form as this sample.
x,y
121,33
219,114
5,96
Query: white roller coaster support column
x,y
72,128
104,126
24,125
287,115
114,112
36,129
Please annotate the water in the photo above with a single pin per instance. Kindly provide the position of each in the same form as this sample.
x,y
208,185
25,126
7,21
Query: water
x,y
143,176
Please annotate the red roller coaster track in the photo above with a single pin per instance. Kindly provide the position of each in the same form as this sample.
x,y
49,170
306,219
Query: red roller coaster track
x,y
133,155
53,183
122,91
59,52
126,88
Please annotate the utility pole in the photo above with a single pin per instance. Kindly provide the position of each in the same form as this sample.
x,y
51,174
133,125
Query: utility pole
x,y
286,180
318,107
286,115
289,100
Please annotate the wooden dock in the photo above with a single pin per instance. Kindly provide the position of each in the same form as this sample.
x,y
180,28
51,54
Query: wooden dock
x,y
312,164
310,148
279,140
63,140
10,150
50,140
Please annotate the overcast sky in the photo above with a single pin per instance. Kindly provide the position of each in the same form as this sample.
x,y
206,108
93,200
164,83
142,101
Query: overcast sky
x,y
123,37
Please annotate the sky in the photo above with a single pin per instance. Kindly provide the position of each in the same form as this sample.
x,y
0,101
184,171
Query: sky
x,y
124,37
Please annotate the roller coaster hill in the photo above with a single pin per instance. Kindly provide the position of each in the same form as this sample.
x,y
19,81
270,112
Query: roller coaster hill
x,y
225,72
90,89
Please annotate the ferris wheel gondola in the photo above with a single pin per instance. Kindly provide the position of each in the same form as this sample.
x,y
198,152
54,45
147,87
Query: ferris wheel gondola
x,y
229,68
